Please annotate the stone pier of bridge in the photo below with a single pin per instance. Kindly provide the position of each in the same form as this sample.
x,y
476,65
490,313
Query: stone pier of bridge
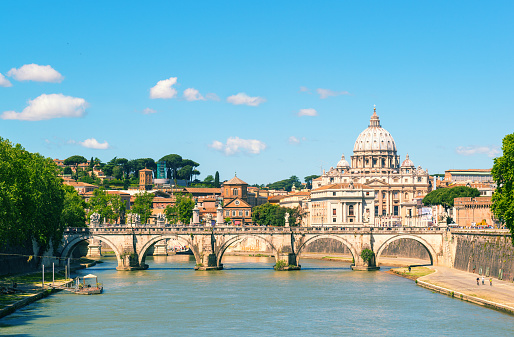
x,y
287,244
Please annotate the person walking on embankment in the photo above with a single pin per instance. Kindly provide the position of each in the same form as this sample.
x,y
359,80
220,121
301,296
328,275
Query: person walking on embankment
x,y
483,279
478,281
491,281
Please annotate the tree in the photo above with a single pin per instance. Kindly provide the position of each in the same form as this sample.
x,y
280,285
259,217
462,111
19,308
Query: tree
x,y
286,184
269,215
445,196
75,161
209,179
308,180
109,206
173,163
182,210
503,174
31,198
143,206
73,213
217,180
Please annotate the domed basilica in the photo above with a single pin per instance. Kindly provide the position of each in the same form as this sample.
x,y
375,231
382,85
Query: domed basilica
x,y
375,165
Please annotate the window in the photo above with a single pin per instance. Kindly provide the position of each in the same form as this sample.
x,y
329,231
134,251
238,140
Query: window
x,y
376,210
367,193
247,213
419,179
383,195
233,213
227,213
333,219
395,210
240,213
406,196
384,212
351,220
334,212
235,191
350,210
334,194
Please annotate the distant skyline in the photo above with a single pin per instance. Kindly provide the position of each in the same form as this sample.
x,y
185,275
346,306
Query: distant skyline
x,y
266,89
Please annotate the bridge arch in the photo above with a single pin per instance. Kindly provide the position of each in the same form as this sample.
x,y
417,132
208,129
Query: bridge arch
x,y
431,252
353,250
75,240
144,250
238,238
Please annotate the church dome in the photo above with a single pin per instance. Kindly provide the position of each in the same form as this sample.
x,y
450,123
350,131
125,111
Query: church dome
x,y
374,138
343,163
407,162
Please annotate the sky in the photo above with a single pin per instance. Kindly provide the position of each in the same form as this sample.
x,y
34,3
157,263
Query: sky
x,y
264,89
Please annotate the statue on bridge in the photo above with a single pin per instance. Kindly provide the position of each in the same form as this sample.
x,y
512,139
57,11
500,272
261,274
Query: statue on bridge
x,y
161,220
94,219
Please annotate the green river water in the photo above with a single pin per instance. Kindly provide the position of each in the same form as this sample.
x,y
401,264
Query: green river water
x,y
249,298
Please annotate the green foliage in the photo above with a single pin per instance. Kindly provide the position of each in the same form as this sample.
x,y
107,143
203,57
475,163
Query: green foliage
x,y
73,213
67,170
74,160
227,220
280,265
217,180
445,196
143,206
503,174
109,206
209,179
285,184
309,179
181,211
269,215
31,197
367,255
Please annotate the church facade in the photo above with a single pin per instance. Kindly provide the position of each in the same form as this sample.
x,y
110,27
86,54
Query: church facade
x,y
375,165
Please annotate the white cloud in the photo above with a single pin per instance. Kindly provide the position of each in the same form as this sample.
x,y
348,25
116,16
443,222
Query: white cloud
x,y
212,97
307,112
163,89
293,140
92,143
35,72
48,107
304,89
191,94
237,145
242,98
325,93
4,82
148,111
490,151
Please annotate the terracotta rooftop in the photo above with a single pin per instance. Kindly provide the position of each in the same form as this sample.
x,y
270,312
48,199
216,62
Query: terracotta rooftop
x,y
235,181
77,183
207,190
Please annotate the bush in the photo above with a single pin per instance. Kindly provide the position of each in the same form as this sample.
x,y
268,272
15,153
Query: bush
x,y
280,265
367,255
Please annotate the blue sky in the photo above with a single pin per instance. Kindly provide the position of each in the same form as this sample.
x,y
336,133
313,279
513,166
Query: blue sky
x,y
264,89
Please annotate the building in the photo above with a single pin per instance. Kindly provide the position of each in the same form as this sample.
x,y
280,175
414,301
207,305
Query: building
x,y
80,187
376,164
470,212
235,201
145,179
342,204
470,175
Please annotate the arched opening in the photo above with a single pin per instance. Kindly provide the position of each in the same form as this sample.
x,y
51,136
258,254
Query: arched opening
x,y
259,246
327,244
76,242
149,247
406,250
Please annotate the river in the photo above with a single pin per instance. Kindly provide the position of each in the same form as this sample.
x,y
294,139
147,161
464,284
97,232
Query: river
x,y
249,298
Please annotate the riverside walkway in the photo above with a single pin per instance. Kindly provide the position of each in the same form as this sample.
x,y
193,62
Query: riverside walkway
x,y
447,280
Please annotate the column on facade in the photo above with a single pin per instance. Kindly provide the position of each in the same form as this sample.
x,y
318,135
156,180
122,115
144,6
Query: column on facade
x,y
345,212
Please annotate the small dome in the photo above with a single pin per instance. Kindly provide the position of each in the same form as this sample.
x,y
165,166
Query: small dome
x,y
407,162
343,163
374,137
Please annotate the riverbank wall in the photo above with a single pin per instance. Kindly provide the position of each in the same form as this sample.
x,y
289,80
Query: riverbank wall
x,y
485,253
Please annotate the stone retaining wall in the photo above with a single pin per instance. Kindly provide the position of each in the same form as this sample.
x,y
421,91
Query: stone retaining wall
x,y
489,255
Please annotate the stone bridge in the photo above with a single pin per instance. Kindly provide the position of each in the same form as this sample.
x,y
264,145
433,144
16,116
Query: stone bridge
x,y
131,244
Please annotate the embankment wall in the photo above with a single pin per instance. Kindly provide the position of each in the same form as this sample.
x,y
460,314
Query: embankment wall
x,y
485,254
